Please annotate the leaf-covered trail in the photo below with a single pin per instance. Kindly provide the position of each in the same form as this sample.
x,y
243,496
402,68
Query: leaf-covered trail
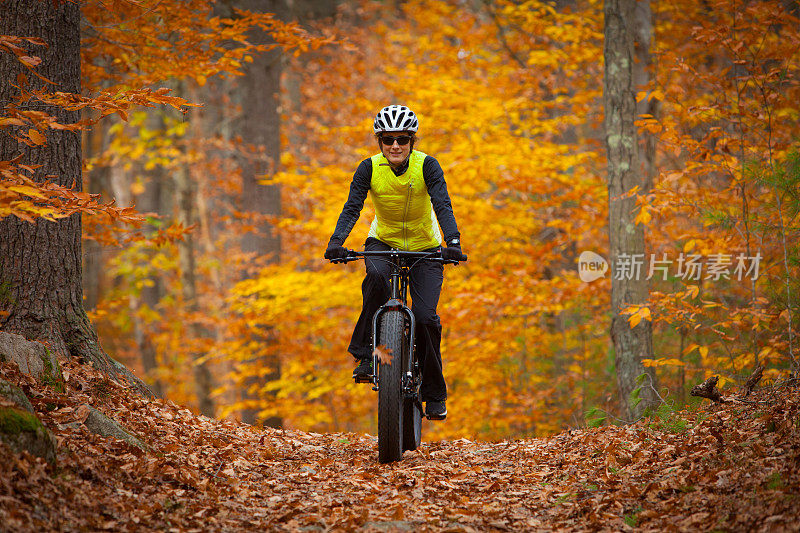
x,y
736,469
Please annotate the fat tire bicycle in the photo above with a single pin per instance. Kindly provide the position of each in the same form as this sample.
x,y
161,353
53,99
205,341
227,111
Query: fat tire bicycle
x,y
397,380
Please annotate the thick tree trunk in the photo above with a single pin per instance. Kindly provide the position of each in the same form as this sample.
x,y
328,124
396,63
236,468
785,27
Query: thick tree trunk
x,y
186,191
259,125
186,258
306,12
626,238
40,264
150,201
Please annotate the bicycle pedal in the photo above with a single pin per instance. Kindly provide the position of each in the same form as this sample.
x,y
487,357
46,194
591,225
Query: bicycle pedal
x,y
436,417
362,379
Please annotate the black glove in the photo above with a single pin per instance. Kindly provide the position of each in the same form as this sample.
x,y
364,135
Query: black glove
x,y
453,253
335,251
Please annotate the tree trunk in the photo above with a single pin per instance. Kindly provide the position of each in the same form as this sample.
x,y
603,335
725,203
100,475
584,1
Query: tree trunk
x,y
40,264
641,77
259,125
305,12
92,257
150,201
186,190
626,238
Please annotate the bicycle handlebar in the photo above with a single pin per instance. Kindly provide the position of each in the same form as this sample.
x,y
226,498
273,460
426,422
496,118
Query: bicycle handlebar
x,y
355,255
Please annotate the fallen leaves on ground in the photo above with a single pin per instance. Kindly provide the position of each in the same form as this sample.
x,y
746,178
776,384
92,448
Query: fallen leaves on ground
x,y
730,467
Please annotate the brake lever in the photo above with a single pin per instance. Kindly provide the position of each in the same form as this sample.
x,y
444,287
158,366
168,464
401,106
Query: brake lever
x,y
351,256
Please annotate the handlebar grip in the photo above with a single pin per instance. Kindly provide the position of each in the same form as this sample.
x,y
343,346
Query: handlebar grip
x,y
352,255
455,261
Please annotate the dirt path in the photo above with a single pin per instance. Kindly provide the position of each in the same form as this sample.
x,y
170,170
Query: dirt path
x,y
732,468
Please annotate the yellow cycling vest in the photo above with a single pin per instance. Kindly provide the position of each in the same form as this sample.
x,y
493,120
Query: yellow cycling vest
x,y
404,217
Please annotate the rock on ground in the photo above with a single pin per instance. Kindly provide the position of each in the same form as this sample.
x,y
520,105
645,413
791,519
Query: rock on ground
x,y
15,395
100,424
33,358
23,431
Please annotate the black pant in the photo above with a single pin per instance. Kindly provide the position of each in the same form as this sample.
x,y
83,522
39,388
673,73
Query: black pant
x,y
426,285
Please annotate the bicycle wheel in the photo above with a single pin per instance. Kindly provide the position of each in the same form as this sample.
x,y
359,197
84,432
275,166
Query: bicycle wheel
x,y
390,392
412,423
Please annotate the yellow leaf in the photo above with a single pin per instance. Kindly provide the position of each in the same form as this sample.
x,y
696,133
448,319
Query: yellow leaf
x,y
689,348
27,190
765,352
703,351
655,94
671,362
36,137
6,121
137,187
692,291
689,246
643,217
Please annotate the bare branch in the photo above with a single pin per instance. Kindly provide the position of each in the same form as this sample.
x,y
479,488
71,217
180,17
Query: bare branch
x,y
753,380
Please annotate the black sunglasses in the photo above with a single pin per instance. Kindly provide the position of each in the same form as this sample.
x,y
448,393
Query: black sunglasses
x,y
402,140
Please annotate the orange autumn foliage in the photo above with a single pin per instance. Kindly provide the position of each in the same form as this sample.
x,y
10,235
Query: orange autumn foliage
x,y
509,100
523,197
728,78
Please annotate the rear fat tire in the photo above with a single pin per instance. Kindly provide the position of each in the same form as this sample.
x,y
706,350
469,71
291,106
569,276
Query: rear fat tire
x,y
390,391
412,412
412,423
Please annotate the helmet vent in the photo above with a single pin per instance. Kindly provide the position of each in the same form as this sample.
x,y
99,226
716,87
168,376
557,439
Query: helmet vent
x,y
395,118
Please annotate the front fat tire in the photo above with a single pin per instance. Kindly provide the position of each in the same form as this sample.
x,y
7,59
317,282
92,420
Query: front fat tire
x,y
390,391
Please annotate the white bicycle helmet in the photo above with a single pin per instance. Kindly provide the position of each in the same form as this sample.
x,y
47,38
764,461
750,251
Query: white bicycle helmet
x,y
395,118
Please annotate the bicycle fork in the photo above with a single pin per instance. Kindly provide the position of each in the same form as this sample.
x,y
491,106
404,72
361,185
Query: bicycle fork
x,y
399,289
395,305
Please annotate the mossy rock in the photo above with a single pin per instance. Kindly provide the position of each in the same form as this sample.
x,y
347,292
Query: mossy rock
x,y
23,431
15,395
105,426
33,358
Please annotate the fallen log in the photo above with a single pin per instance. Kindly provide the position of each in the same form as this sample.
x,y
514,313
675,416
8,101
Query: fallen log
x,y
708,389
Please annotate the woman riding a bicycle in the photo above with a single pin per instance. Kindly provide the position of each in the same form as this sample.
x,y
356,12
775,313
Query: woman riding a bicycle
x,y
409,194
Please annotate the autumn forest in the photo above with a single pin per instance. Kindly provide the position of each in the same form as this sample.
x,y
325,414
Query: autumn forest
x,y
626,180
218,144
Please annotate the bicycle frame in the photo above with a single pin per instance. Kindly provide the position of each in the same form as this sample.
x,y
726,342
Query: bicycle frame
x,y
402,262
399,406
397,302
